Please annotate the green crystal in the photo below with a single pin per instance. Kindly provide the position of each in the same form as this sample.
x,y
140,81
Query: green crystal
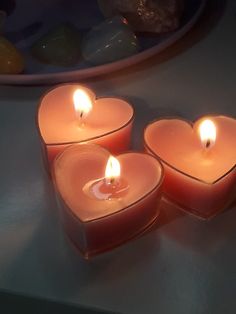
x,y
60,46
109,41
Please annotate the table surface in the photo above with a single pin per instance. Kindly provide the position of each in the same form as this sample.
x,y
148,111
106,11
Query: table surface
x,y
184,265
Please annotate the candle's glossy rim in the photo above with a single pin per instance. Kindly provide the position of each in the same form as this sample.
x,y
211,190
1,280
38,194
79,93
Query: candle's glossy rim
x,y
191,123
97,98
156,187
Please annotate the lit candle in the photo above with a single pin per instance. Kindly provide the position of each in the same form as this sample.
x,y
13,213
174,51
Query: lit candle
x,y
199,161
112,173
109,187
106,200
70,113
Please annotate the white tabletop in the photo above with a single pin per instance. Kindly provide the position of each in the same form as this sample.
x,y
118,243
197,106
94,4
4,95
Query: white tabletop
x,y
184,265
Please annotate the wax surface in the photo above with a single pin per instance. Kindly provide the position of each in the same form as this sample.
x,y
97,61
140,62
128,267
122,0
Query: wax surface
x,y
76,168
58,122
178,143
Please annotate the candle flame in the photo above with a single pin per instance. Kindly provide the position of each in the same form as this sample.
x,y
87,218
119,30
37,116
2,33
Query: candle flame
x,y
112,172
82,103
207,130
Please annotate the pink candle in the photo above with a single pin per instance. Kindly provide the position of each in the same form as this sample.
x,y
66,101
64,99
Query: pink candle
x,y
70,113
105,200
199,161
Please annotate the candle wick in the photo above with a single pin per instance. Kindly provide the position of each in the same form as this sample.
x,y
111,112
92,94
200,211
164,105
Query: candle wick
x,y
80,118
208,143
112,180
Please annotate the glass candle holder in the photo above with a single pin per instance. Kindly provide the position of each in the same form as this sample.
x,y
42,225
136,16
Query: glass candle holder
x,y
71,113
101,211
199,162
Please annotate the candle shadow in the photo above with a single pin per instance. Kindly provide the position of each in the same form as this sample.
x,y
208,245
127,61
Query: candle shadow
x,y
168,213
204,236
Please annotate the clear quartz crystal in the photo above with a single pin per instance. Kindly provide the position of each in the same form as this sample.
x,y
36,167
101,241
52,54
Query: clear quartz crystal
x,y
109,41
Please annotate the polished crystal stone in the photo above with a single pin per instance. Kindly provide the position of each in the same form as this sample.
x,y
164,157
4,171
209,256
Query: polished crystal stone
x,y
11,60
109,41
156,16
60,46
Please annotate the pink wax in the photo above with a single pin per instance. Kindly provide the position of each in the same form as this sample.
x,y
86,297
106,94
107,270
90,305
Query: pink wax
x,y
109,123
202,182
94,224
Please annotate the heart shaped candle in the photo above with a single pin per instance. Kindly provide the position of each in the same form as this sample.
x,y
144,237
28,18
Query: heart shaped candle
x,y
70,113
105,200
199,161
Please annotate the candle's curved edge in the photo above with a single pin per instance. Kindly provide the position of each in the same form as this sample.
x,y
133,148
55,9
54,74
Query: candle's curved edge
x,y
91,254
131,119
191,123
156,187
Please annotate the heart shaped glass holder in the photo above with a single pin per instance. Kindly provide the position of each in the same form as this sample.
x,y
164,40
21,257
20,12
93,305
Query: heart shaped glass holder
x,y
97,223
194,196
109,125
